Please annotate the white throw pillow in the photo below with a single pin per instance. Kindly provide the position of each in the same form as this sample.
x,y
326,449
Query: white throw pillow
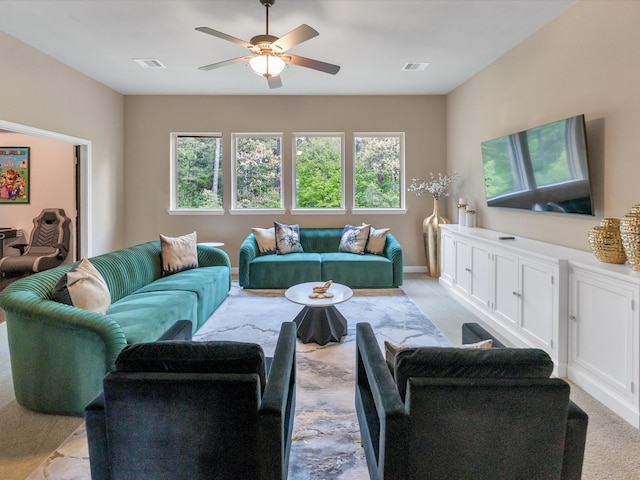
x,y
178,253
84,287
481,344
377,240
266,238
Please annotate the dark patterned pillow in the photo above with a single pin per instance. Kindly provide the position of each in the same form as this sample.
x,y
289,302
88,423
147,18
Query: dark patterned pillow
x,y
354,239
287,238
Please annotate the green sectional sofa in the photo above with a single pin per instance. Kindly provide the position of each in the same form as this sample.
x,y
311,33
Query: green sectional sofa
x,y
61,353
320,261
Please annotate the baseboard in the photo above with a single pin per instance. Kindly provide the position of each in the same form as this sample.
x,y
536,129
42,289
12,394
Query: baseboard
x,y
416,269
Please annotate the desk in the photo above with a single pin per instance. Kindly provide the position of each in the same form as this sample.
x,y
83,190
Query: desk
x,y
4,234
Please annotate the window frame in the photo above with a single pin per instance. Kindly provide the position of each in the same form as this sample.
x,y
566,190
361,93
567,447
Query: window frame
x,y
234,210
173,175
401,174
295,210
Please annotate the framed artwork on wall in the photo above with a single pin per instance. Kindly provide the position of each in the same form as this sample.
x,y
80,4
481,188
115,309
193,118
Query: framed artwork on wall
x,y
14,175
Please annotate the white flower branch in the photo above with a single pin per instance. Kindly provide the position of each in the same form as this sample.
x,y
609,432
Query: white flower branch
x,y
437,188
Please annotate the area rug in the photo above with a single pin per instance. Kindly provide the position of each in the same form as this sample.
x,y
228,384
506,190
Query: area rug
x,y
326,438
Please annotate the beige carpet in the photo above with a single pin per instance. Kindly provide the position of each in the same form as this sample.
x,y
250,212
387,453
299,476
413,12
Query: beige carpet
x,y
28,438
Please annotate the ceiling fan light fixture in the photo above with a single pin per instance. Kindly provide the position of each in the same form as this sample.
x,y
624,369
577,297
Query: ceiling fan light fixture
x,y
267,65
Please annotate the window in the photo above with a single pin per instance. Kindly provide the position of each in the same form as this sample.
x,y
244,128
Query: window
x,y
318,171
257,172
196,172
378,171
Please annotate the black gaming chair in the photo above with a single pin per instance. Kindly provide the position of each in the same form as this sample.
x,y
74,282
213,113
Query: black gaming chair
x,y
47,248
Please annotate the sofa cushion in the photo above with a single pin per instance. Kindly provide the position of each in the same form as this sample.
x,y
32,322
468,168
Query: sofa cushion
x,y
84,287
287,238
266,239
354,239
377,241
210,284
357,271
144,317
470,363
178,253
180,356
283,271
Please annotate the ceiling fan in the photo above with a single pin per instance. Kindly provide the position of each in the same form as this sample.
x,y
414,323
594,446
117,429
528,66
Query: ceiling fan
x,y
268,57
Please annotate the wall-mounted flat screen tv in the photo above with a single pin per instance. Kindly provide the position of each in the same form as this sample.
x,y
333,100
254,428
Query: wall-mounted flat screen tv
x,y
541,169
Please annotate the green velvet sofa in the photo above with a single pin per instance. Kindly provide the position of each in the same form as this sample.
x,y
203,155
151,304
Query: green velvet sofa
x,y
320,261
60,353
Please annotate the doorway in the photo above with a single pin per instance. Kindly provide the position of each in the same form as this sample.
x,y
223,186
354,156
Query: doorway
x,y
82,149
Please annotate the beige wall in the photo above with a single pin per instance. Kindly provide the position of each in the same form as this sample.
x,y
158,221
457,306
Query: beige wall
x,y
150,119
39,92
51,172
586,61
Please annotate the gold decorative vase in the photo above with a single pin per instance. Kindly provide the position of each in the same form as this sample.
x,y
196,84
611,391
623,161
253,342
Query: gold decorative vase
x,y
630,233
431,235
606,242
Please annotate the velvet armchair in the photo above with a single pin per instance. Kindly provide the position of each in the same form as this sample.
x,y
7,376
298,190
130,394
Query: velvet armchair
x,y
452,413
194,410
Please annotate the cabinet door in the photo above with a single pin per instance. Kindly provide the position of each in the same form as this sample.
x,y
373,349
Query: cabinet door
x,y
601,335
448,259
537,303
505,288
480,287
463,267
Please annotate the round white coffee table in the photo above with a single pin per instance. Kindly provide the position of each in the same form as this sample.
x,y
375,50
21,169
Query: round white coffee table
x,y
319,321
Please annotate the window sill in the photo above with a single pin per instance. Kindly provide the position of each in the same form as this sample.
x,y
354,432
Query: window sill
x,y
196,211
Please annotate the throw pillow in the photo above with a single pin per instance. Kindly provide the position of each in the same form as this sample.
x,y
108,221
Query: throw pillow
x,y
84,287
482,344
377,240
287,238
354,239
266,238
390,352
178,253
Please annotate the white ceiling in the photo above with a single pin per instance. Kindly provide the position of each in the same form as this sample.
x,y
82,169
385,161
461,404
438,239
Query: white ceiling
x,y
370,39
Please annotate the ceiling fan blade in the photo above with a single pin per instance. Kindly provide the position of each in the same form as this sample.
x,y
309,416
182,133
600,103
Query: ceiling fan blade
x,y
274,81
310,63
224,36
223,63
295,37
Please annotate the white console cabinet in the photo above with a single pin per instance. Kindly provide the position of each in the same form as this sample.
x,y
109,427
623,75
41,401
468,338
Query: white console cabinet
x,y
513,288
603,336
584,313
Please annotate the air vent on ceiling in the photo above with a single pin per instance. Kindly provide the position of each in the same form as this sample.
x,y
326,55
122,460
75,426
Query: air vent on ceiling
x,y
415,66
149,62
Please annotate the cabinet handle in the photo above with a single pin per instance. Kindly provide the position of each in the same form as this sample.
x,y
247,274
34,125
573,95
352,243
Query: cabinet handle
x,y
468,270
572,317
516,294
